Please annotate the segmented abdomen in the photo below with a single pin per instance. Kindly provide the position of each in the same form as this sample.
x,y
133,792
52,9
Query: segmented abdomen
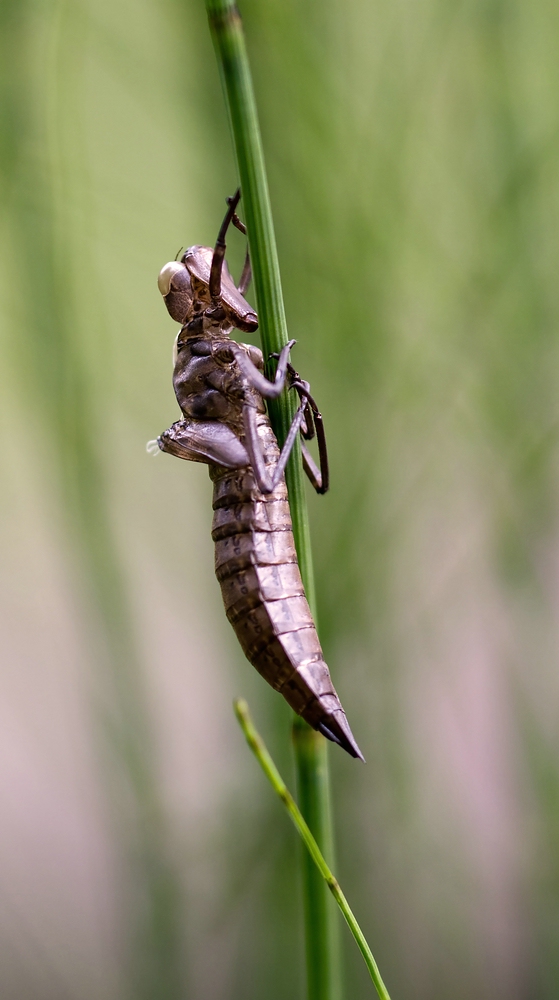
x,y
264,597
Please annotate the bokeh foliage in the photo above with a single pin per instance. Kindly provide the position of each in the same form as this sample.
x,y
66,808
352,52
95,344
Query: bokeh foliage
x,y
413,154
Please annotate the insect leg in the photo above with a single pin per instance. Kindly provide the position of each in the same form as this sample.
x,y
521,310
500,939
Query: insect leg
x,y
266,388
235,220
322,481
254,449
267,483
220,247
311,469
246,276
307,420
320,478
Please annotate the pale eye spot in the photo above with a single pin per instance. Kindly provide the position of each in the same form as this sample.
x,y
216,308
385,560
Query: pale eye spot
x,y
167,274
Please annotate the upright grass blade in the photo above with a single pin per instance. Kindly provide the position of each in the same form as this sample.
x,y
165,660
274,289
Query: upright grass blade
x,y
310,748
260,751
57,374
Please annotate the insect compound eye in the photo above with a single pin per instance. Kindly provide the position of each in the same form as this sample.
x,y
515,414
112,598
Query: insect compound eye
x,y
174,284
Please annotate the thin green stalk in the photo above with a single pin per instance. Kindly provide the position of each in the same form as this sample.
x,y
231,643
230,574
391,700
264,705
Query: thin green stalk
x,y
261,753
321,928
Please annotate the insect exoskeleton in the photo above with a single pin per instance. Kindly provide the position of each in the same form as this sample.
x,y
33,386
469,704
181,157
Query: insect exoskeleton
x,y
175,286
225,425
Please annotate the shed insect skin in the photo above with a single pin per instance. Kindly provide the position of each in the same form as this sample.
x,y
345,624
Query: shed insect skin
x,y
221,387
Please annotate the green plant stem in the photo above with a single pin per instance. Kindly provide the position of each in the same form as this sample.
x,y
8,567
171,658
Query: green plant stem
x,y
313,792
261,753
321,928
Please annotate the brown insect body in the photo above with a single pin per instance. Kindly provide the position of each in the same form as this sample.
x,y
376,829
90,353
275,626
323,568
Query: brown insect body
x,y
264,598
225,425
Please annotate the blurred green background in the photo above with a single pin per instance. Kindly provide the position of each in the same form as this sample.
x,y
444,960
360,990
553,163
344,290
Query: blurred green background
x,y
413,160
